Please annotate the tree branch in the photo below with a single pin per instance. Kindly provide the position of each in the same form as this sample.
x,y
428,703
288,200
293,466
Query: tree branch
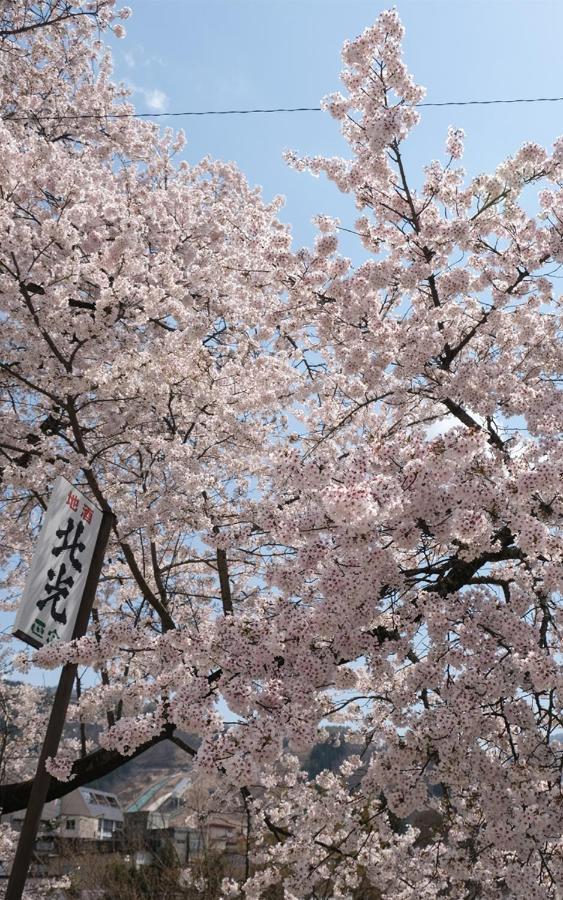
x,y
223,570
96,764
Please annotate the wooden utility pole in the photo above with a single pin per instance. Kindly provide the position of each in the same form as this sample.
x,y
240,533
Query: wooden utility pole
x,y
55,727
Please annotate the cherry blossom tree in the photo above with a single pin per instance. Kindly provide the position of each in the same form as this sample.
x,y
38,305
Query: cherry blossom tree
x,y
336,487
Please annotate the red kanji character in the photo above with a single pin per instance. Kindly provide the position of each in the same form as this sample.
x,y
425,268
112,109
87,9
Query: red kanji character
x,y
73,501
87,513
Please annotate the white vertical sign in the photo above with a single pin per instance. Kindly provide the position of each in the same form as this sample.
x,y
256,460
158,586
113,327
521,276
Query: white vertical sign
x,y
59,568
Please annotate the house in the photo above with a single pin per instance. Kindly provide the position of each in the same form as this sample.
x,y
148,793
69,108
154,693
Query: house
x,y
220,832
162,822
85,814
89,814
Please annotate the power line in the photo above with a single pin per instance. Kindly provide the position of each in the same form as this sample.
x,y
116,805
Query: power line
x,y
248,112
159,115
490,102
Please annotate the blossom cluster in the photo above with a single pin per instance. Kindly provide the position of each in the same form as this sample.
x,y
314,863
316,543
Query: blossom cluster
x,y
336,488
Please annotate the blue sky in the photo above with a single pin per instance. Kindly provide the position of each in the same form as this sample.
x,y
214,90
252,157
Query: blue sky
x,y
217,54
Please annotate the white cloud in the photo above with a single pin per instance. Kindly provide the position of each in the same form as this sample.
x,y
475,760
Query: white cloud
x,y
136,56
154,60
155,99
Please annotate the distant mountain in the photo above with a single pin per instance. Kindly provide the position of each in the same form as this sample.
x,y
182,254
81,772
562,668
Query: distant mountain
x,y
166,759
135,775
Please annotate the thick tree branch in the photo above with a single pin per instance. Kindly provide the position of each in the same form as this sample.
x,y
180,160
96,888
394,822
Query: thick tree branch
x,y
223,569
151,598
96,764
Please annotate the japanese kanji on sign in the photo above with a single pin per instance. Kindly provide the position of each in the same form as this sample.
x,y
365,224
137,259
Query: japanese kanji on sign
x,y
59,568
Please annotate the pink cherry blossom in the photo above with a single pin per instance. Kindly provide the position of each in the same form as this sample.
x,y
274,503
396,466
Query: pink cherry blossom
x,y
337,486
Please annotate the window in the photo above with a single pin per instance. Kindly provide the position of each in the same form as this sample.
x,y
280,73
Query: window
x,y
70,824
101,799
105,828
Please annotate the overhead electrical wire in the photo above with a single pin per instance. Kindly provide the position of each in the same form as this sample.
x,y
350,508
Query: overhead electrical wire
x,y
248,112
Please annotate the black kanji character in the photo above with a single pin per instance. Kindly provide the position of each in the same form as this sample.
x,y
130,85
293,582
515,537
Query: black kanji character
x,y
56,592
75,545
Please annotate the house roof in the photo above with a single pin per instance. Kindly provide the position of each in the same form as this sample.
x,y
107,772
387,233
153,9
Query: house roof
x,y
144,799
153,797
83,801
99,804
